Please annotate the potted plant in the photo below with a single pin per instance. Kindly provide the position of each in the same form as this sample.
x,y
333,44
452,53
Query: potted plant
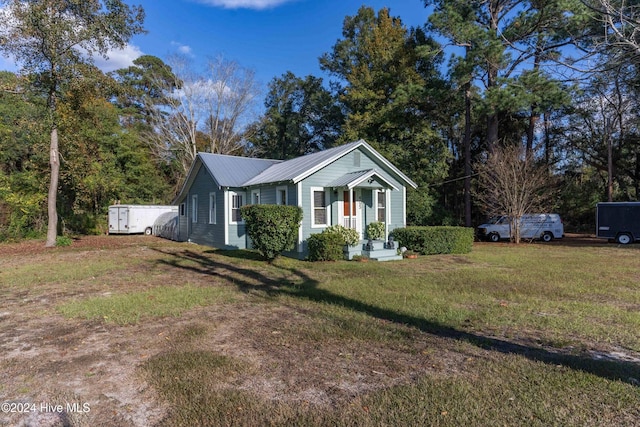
x,y
376,230
409,254
349,235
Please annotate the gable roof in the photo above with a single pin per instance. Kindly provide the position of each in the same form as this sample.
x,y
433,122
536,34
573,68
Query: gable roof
x,y
297,169
353,179
233,171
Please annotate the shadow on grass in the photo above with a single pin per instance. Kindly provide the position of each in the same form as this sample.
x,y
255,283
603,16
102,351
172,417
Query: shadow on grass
x,y
249,279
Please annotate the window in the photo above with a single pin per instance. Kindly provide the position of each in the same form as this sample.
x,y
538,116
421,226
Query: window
x,y
212,208
194,208
183,210
281,196
236,204
319,207
381,207
255,197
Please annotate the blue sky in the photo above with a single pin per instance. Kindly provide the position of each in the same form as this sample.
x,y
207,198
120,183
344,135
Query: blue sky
x,y
269,36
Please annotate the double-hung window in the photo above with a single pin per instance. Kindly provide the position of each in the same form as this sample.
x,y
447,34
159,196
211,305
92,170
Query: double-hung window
x,y
236,204
281,195
212,208
319,205
381,206
194,208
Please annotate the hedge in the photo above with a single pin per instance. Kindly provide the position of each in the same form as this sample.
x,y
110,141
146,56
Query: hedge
x,y
325,247
272,228
435,240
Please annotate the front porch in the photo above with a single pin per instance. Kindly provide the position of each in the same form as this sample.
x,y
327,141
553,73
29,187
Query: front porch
x,y
375,251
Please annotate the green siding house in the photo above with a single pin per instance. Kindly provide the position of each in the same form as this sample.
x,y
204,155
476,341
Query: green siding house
x,y
351,185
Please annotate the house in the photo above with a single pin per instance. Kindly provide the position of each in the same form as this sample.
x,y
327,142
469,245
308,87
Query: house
x,y
351,185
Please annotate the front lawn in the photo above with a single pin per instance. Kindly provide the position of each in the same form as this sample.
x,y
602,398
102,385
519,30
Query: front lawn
x,y
534,334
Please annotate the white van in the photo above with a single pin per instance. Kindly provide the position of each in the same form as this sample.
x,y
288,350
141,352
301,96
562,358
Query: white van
x,y
545,227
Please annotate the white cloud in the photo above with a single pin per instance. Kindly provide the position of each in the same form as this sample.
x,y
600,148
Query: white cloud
x,y
245,4
121,58
182,48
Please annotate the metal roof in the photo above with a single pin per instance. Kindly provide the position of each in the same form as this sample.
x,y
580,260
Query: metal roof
x,y
353,179
299,168
233,171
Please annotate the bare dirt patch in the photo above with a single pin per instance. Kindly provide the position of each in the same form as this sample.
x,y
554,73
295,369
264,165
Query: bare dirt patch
x,y
47,360
95,366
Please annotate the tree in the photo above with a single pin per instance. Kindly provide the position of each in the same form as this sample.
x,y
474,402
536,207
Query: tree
x,y
50,38
507,44
390,87
22,166
199,111
601,131
621,20
231,95
301,117
512,183
104,161
141,88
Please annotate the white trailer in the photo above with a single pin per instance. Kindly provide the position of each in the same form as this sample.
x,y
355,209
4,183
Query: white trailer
x,y
132,219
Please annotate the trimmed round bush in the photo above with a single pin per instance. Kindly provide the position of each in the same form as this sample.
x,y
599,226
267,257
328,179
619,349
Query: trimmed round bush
x,y
325,247
273,229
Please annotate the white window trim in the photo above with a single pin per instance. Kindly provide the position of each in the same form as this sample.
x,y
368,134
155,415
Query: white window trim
x,y
387,209
194,208
300,228
231,194
214,205
286,194
404,206
327,207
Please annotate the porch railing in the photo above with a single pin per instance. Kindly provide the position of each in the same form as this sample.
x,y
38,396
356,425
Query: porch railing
x,y
349,222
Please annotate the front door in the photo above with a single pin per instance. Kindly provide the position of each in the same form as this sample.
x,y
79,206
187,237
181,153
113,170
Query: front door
x,y
352,211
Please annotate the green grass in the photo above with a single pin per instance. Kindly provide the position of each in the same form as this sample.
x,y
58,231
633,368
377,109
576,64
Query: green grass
x,y
131,307
500,336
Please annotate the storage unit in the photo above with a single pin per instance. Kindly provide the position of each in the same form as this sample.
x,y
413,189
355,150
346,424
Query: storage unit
x,y
619,221
135,219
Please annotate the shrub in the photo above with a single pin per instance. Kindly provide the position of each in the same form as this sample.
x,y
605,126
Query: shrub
x,y
325,247
435,240
349,235
273,229
376,230
63,241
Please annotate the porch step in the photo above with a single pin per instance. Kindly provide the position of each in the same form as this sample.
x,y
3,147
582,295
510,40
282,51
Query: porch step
x,y
385,258
378,252
382,254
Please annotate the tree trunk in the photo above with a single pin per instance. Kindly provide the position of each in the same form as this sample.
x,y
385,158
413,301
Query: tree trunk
x,y
54,161
467,155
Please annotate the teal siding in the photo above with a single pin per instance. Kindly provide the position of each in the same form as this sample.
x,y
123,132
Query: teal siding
x,y
201,183
202,231
335,170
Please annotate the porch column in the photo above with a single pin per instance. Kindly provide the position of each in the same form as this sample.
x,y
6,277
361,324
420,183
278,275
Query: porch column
x,y
351,205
